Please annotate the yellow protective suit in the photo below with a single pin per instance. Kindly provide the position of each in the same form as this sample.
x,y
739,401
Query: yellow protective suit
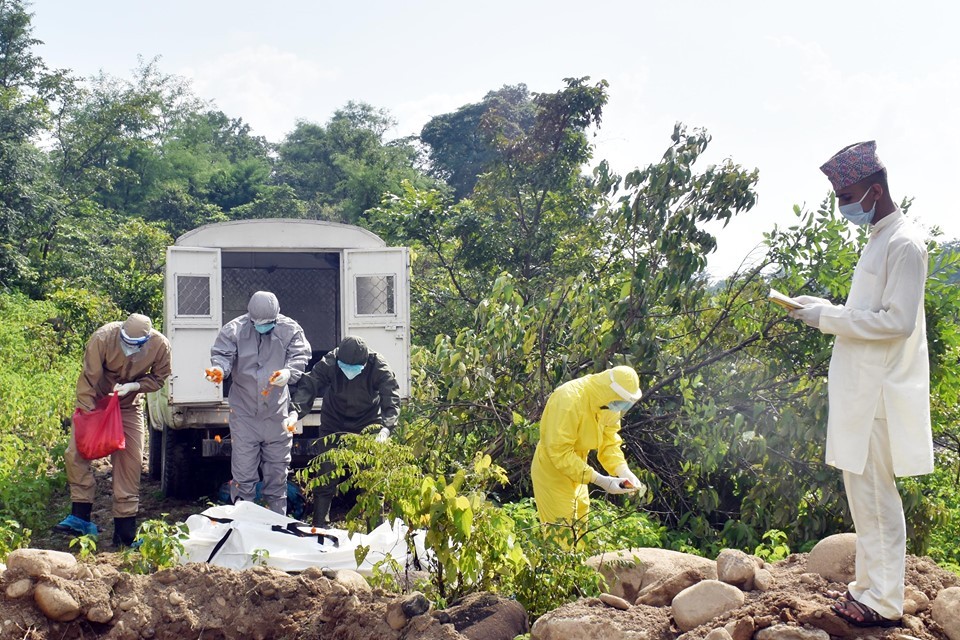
x,y
573,424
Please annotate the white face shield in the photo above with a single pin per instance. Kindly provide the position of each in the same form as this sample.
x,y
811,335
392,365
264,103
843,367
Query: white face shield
x,y
623,393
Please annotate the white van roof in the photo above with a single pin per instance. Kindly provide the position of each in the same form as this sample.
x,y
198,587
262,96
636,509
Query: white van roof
x,y
280,233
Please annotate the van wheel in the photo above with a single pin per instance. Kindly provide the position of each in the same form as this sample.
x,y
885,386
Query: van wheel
x,y
154,452
175,474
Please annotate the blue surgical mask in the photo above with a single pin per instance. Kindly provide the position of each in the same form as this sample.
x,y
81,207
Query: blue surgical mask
x,y
265,328
619,405
350,370
854,211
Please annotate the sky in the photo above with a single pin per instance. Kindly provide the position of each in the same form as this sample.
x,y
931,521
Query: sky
x,y
779,86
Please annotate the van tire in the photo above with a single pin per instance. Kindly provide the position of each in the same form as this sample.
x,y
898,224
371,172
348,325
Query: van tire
x,y
175,474
154,452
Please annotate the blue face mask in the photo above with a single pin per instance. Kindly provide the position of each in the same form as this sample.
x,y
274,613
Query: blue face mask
x,y
854,211
619,405
265,328
350,370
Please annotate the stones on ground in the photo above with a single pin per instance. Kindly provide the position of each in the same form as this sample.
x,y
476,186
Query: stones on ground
x,y
42,562
20,588
703,602
737,568
741,628
56,603
614,601
166,576
946,611
175,598
487,616
402,609
628,571
789,632
834,557
914,600
100,613
663,591
718,634
763,580
353,581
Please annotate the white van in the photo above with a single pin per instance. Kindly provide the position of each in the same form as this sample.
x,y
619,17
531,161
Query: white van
x,y
334,279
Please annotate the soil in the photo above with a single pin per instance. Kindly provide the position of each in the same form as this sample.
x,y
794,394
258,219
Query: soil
x,y
208,602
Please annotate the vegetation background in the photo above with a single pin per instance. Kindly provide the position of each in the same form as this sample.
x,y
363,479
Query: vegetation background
x,y
532,264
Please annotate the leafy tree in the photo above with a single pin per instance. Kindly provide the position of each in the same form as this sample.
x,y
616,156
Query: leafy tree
x,y
460,149
344,168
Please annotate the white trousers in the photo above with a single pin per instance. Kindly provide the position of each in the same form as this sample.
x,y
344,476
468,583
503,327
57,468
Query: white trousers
x,y
881,529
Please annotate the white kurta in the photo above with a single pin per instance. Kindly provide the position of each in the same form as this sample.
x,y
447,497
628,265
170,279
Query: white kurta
x,y
879,366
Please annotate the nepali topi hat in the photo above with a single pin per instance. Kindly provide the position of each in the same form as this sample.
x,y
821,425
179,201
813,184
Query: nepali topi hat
x,y
852,164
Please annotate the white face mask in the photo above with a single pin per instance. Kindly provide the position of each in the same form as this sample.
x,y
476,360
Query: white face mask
x,y
128,349
854,211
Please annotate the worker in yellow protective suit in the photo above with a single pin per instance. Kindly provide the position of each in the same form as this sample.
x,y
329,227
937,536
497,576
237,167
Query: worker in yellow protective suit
x,y
582,415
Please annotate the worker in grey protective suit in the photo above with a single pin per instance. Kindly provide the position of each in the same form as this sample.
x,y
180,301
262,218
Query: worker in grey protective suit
x,y
262,351
359,389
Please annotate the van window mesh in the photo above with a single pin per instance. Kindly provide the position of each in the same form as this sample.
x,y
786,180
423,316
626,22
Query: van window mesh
x,y
193,295
375,296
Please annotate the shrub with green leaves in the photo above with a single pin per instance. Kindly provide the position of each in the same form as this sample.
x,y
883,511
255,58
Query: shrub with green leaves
x,y
161,545
12,536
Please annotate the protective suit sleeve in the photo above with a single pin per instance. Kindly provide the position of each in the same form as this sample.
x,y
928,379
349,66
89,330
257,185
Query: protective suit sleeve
x,y
389,390
223,353
91,373
902,297
610,453
559,438
313,384
298,355
159,371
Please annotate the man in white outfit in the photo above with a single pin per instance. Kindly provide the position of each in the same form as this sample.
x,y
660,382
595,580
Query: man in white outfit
x,y
879,382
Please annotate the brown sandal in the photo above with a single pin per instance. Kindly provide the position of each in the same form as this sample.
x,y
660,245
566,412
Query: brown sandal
x,y
867,616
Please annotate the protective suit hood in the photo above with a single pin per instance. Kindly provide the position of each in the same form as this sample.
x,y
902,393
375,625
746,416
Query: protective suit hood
x,y
352,350
263,307
618,383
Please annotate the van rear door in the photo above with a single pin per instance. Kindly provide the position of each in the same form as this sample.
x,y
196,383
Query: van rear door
x,y
192,313
377,305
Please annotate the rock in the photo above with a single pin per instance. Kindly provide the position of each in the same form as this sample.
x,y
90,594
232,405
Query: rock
x,y
557,626
834,558
165,576
809,578
705,601
41,562
787,632
663,591
487,616
57,604
902,636
741,628
100,613
20,588
763,580
614,601
127,604
175,599
395,616
718,634
736,568
353,581
917,600
628,571
946,611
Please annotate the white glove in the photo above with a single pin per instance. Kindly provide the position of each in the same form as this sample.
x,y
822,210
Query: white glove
x,y
280,378
809,315
290,423
126,387
384,435
610,484
213,374
811,300
624,472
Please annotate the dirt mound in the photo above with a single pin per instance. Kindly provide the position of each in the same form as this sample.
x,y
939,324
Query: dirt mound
x,y
795,598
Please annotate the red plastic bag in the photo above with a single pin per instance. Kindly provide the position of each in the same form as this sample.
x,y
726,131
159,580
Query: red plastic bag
x,y
99,432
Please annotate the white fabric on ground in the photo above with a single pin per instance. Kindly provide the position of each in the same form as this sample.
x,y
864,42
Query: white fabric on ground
x,y
250,531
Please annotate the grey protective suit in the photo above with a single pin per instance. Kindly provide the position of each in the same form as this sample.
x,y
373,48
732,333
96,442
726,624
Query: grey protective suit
x,y
257,408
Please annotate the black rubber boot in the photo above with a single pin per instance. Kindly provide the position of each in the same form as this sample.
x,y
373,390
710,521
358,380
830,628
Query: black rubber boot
x,y
321,509
82,510
124,531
